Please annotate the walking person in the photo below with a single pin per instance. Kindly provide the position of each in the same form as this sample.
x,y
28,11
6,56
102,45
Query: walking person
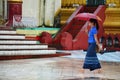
x,y
91,61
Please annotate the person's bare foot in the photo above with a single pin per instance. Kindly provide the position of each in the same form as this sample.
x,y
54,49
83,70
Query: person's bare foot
x,y
98,71
82,70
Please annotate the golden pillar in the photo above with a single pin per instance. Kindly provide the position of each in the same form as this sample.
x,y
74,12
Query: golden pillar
x,y
14,8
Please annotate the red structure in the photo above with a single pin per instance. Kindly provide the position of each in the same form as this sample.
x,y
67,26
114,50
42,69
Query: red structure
x,y
14,8
72,36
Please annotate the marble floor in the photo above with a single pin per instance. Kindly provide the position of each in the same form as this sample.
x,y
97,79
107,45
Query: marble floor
x,y
59,68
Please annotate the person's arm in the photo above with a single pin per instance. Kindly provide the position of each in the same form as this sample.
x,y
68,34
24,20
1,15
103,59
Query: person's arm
x,y
86,30
96,39
97,42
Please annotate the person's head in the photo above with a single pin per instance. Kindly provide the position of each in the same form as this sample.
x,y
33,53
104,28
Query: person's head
x,y
93,23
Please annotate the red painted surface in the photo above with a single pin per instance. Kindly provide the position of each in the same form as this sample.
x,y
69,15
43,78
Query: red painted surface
x,y
66,41
74,30
46,38
14,8
87,16
73,36
38,38
82,38
67,25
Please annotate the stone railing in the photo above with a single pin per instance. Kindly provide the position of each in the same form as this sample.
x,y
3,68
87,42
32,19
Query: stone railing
x,y
23,22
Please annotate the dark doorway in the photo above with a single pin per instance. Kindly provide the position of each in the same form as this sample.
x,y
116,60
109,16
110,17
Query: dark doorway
x,y
95,2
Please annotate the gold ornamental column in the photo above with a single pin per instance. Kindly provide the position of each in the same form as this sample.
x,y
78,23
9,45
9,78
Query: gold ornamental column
x,y
14,8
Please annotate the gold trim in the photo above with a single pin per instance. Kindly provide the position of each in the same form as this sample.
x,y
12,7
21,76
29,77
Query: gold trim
x,y
57,12
15,1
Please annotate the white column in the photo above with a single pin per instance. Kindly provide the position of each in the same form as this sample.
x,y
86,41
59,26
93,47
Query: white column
x,y
5,9
1,7
57,6
41,12
31,9
49,12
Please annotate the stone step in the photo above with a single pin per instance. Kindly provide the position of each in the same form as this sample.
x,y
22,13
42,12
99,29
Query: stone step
x,y
17,41
12,52
15,57
2,27
12,36
23,46
7,32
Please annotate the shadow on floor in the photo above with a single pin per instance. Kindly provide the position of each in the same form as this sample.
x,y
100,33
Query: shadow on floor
x,y
89,78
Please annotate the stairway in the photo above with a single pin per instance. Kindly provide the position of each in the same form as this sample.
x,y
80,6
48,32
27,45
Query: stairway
x,y
72,35
68,8
15,46
76,27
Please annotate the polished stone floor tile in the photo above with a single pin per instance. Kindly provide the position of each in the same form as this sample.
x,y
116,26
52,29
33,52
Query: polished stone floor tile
x,y
55,69
60,68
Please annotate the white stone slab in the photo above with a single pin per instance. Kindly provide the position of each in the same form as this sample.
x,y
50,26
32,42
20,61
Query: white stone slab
x,y
7,32
17,42
23,46
12,37
49,12
26,52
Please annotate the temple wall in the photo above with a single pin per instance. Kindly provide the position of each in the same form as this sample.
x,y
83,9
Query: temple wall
x,y
43,11
30,8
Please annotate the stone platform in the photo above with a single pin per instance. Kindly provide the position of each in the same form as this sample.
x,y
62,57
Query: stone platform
x,y
62,68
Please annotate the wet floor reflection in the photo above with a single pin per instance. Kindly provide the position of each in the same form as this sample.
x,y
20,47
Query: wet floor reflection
x,y
55,69
89,78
